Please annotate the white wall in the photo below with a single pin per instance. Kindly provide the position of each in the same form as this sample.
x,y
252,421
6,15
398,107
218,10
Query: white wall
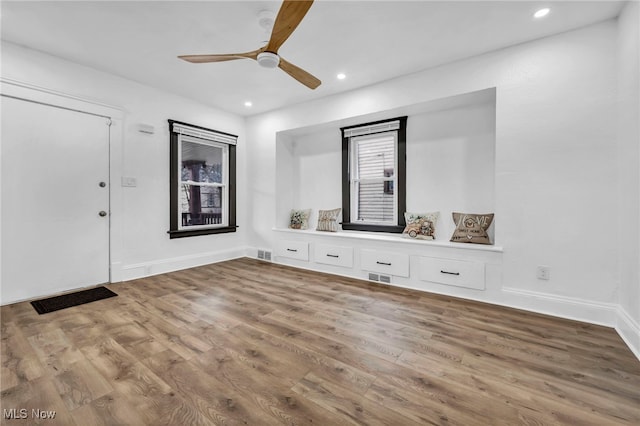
x,y
555,181
140,215
450,166
315,179
628,173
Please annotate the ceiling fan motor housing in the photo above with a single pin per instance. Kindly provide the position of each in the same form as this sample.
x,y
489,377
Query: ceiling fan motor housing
x,y
281,26
268,59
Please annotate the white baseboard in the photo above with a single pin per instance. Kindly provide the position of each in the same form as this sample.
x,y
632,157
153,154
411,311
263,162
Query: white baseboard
x,y
629,331
162,266
571,308
115,273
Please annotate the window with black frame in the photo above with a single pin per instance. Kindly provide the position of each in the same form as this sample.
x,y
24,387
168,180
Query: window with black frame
x,y
374,175
202,179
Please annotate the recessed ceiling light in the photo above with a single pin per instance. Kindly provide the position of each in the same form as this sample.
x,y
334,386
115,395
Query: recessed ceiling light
x,y
248,104
341,76
542,13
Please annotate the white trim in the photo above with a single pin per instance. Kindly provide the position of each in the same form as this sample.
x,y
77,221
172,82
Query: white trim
x,y
18,89
162,266
572,308
629,331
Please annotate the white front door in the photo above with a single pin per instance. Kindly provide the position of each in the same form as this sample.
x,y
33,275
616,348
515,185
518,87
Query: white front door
x,y
55,199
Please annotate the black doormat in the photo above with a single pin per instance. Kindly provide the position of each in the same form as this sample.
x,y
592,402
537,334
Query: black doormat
x,y
44,306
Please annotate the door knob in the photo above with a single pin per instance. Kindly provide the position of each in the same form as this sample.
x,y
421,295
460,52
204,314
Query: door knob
x,y
102,184
102,213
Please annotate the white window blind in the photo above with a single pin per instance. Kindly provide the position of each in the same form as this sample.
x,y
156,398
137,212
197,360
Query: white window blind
x,y
204,134
370,129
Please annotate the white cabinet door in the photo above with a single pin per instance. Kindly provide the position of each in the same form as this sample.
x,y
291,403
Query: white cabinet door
x,y
459,273
385,262
54,237
334,255
298,250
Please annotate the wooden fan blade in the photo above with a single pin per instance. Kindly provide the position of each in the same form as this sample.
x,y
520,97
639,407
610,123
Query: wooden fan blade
x,y
299,74
290,14
201,59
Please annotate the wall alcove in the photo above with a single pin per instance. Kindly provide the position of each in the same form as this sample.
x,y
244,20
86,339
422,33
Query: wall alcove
x,y
451,147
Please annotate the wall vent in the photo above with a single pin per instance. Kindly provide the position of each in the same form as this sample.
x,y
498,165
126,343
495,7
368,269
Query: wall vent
x,y
380,278
264,255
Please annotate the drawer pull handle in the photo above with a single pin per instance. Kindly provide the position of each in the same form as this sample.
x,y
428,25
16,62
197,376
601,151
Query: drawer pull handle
x,y
383,263
332,255
450,273
293,250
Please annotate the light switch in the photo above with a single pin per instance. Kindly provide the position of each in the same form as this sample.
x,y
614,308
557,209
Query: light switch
x,y
129,181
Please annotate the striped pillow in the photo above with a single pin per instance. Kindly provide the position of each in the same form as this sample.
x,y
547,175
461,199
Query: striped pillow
x,y
328,220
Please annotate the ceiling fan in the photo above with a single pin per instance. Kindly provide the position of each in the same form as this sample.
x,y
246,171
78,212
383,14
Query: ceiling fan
x,y
290,14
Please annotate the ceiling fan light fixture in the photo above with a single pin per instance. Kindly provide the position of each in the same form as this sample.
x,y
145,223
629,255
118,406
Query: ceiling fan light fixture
x,y
268,59
266,19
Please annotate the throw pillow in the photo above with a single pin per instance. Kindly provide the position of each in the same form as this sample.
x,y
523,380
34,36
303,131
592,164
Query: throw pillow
x,y
328,220
299,219
421,226
471,228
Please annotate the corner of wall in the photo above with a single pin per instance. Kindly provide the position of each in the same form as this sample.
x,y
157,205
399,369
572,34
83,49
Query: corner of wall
x,y
629,331
628,135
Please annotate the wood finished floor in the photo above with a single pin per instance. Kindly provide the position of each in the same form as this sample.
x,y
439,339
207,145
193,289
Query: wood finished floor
x,y
251,343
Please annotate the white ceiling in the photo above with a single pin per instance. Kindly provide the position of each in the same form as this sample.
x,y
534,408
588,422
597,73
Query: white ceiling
x,y
370,41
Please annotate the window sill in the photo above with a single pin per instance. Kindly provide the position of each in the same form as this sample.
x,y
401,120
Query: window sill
x,y
393,238
196,232
367,227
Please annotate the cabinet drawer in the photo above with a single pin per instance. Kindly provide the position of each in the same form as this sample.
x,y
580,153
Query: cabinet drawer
x,y
459,273
385,262
334,255
293,249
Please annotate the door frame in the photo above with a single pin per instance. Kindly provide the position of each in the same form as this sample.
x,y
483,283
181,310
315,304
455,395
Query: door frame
x,y
28,92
